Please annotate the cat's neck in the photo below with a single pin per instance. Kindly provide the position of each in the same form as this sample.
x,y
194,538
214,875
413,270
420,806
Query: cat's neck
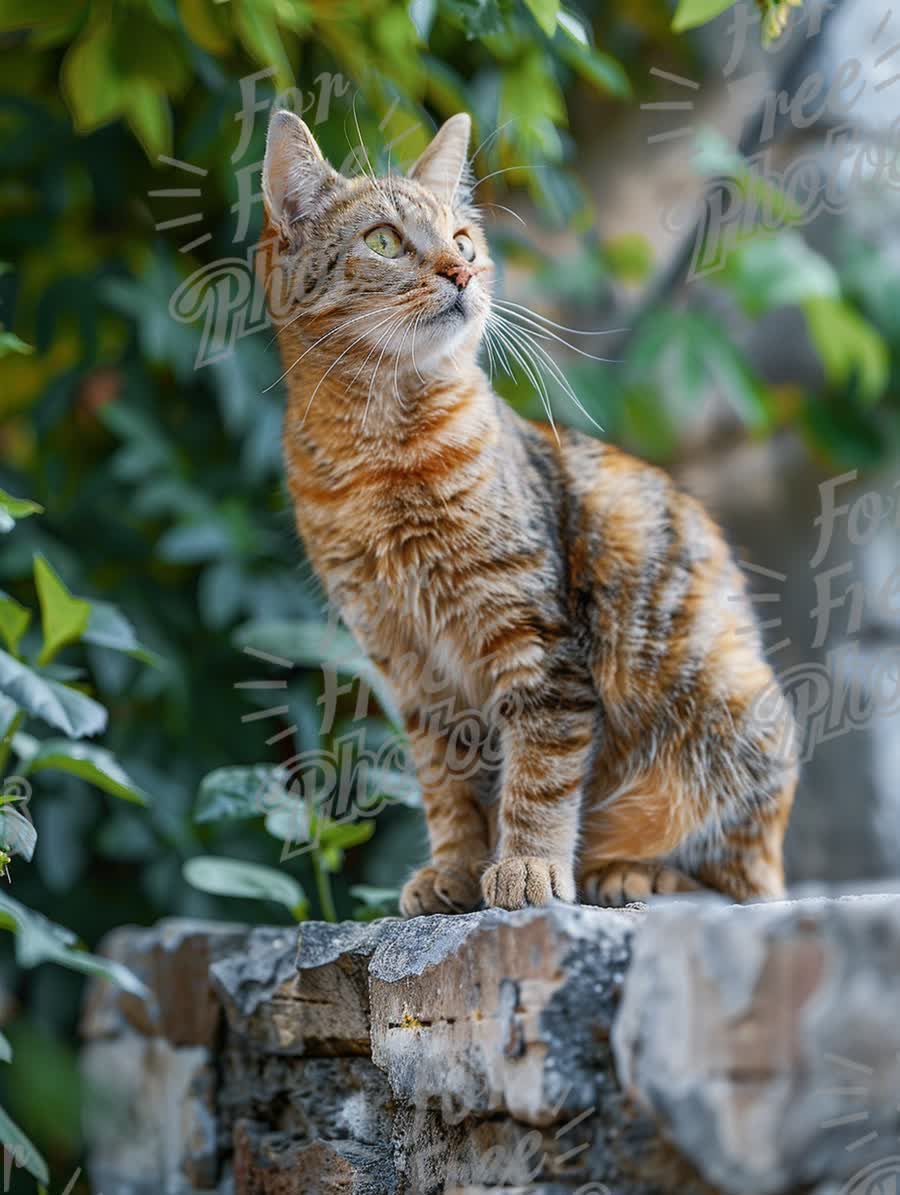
x,y
343,417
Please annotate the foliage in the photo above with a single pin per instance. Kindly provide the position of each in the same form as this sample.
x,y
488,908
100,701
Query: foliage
x,y
162,480
33,689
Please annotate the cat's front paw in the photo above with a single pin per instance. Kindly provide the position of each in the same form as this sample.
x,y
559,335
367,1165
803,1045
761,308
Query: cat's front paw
x,y
519,882
440,888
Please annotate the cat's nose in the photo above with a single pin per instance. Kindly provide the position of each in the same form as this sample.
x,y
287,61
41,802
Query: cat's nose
x,y
458,273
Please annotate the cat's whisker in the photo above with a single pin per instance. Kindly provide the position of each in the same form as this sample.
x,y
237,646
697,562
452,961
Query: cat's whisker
x,y
532,372
410,320
506,170
491,331
489,138
547,334
415,330
371,174
504,208
290,323
556,373
552,323
333,332
368,357
337,361
394,327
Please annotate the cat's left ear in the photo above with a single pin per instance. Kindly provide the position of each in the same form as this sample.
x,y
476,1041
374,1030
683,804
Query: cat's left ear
x,y
442,165
295,177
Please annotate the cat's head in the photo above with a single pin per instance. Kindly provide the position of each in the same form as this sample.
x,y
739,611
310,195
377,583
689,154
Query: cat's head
x,y
399,262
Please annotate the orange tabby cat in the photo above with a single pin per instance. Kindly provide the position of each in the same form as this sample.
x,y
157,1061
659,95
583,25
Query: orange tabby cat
x,y
585,609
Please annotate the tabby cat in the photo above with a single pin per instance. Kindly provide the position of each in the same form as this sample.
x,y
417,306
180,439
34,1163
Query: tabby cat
x,y
588,612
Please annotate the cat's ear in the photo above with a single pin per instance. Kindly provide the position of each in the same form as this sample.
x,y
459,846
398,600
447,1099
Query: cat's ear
x,y
443,164
295,176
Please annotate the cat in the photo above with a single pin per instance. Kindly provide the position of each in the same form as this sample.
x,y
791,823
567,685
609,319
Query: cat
x,y
588,611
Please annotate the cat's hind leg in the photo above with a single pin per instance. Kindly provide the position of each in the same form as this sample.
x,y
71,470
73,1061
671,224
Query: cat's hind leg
x,y
613,885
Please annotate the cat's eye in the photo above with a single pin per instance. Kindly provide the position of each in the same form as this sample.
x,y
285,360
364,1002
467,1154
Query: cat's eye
x,y
384,241
465,245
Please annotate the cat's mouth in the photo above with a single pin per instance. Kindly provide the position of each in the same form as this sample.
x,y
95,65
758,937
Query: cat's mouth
x,y
456,307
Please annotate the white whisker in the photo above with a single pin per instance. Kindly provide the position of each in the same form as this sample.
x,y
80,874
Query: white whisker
x,y
337,361
552,323
333,332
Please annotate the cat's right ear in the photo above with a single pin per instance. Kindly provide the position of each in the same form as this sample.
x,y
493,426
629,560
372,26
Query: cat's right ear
x,y
295,176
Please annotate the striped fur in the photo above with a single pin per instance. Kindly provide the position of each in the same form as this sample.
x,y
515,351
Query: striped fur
x,y
566,601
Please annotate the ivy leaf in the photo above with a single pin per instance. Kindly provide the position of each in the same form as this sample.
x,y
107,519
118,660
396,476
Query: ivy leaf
x,y
10,343
13,509
545,13
239,792
63,617
20,1148
318,644
258,30
234,877
39,940
396,786
376,902
599,69
17,834
94,764
691,13
59,706
14,620
149,118
108,627
848,345
777,271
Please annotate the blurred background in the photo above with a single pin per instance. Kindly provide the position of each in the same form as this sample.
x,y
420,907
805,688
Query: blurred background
x,y
721,197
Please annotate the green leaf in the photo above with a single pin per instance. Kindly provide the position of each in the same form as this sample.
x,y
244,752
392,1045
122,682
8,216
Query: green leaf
x,y
691,13
545,13
422,14
258,31
716,157
10,343
14,620
17,834
63,617
59,706
397,786
5,1049
375,902
23,1152
318,644
478,18
629,256
234,877
12,509
600,69
108,627
240,792
39,940
777,271
343,835
848,346
149,117
94,764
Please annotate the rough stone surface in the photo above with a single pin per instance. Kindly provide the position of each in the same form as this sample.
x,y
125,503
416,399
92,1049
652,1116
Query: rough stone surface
x,y
767,1039
173,960
697,1048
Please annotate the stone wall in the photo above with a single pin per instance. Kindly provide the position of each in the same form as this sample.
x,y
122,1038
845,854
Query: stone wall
x,y
694,1048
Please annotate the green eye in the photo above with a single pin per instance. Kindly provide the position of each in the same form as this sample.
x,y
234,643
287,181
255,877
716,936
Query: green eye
x,y
465,246
384,241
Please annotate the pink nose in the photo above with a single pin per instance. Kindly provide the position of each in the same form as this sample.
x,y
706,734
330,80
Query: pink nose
x,y
460,275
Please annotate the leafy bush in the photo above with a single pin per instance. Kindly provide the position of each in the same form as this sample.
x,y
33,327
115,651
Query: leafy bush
x,y
133,139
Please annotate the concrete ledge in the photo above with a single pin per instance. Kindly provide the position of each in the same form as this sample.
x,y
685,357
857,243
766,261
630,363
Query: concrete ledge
x,y
693,1048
